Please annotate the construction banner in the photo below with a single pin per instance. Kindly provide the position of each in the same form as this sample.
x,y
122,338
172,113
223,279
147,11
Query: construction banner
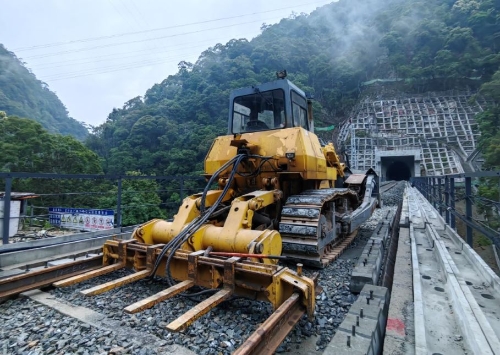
x,y
81,218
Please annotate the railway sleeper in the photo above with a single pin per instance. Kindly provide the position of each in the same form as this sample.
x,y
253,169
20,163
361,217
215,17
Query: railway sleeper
x,y
281,286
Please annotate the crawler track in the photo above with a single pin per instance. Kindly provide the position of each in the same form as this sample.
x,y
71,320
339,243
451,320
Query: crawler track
x,y
308,225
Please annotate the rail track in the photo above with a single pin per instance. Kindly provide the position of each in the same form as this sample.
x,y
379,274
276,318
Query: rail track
x,y
388,185
265,340
253,339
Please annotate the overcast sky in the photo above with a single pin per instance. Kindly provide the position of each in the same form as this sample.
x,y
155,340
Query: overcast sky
x,y
98,54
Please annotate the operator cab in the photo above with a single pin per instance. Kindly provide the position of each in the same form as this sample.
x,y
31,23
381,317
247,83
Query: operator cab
x,y
274,105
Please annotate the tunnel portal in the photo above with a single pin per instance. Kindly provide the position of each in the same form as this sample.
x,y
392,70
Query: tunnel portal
x,y
398,164
398,170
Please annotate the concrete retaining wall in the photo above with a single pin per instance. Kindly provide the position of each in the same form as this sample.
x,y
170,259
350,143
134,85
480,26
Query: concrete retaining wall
x,y
363,329
49,248
367,270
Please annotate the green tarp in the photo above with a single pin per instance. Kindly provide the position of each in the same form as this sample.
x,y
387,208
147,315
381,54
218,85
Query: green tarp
x,y
329,128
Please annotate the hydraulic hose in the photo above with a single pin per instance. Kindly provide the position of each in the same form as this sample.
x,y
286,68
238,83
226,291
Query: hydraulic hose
x,y
180,239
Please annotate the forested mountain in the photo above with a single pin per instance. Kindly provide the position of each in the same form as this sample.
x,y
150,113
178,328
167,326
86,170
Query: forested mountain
x,y
23,95
433,44
26,146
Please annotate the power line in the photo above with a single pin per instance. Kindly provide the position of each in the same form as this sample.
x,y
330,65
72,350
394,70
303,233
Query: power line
x,y
142,40
113,68
135,18
90,39
72,63
76,61
123,66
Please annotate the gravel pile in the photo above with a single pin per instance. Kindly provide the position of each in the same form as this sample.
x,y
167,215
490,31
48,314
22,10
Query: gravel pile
x,y
394,196
227,326
220,331
29,328
32,235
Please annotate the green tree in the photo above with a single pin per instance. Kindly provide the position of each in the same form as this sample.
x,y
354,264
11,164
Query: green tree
x,y
140,200
23,95
27,147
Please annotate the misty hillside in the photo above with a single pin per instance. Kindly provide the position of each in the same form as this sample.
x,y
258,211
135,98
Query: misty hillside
x,y
332,53
23,95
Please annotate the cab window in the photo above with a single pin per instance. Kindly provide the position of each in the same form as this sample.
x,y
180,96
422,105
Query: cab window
x,y
299,111
259,111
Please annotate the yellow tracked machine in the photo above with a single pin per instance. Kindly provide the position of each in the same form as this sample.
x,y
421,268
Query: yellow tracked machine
x,y
273,192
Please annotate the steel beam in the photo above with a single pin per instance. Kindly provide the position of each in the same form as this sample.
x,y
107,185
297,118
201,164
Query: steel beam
x,y
94,176
270,334
46,276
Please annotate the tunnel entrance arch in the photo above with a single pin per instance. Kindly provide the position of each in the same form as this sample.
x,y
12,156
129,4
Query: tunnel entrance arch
x,y
398,170
398,164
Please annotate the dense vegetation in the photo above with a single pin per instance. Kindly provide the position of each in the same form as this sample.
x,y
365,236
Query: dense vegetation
x,y
433,44
333,53
27,147
489,123
21,94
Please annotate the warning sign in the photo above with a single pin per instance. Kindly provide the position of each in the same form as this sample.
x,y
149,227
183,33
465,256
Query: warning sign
x,y
81,218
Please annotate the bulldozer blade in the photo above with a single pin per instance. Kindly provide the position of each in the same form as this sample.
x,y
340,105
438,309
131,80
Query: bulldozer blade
x,y
97,290
197,311
159,297
88,275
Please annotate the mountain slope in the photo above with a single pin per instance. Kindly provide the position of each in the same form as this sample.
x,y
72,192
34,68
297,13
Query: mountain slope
x,y
23,95
433,44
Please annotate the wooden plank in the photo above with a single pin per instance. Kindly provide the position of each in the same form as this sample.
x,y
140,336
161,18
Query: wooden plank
x,y
96,290
197,311
88,275
159,297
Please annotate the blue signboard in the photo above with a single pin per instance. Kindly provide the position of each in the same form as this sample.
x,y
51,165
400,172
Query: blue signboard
x,y
81,218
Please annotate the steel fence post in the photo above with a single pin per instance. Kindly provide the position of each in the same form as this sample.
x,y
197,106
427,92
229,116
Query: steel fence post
x,y
452,202
119,204
447,198
468,208
6,210
433,187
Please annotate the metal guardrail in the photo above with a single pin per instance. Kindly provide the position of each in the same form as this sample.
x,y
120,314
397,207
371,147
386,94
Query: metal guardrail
x,y
441,192
8,178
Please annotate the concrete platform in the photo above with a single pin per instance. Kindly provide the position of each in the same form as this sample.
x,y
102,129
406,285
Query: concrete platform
x,y
400,329
454,292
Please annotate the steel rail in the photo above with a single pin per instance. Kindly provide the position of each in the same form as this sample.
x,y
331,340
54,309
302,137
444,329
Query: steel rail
x,y
45,276
388,187
269,335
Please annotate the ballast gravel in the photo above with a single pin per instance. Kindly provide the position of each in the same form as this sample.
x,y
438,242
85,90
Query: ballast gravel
x,y
30,328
